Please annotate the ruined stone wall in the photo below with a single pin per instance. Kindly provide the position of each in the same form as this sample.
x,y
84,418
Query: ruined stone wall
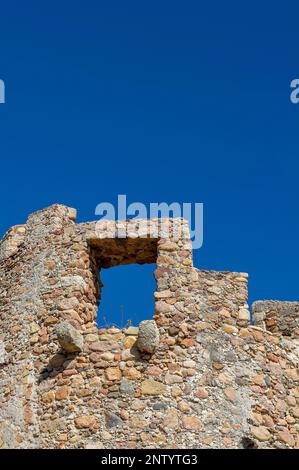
x,y
212,380
278,317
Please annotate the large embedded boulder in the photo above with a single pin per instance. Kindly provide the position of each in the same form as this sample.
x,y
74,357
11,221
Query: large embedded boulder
x,y
69,338
148,336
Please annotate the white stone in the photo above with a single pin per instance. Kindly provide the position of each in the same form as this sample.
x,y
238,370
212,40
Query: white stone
x,y
148,336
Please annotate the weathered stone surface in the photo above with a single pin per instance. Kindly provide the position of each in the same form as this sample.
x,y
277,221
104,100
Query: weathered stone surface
x,y
244,314
112,420
57,360
129,342
127,387
171,420
261,433
160,406
152,387
173,379
201,393
69,338
132,331
230,393
107,356
148,336
286,437
259,379
51,320
230,329
103,346
91,338
86,422
192,422
2,353
132,373
48,397
113,373
53,425
94,445
278,317
62,393
211,381
169,246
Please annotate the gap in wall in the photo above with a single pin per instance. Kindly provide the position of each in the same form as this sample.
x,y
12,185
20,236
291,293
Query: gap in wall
x,y
127,295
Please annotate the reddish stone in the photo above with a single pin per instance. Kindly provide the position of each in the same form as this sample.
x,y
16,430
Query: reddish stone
x,y
192,423
103,346
62,393
188,342
95,357
57,360
69,372
201,393
272,357
154,370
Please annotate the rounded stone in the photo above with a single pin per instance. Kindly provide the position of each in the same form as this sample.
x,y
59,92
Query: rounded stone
x,y
261,433
244,314
69,338
148,336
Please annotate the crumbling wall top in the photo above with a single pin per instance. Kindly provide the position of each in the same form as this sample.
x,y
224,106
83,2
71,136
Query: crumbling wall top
x,y
277,317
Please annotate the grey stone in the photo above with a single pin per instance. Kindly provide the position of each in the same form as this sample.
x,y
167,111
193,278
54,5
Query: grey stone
x,y
2,353
148,336
268,381
69,338
127,387
230,356
160,406
215,355
113,395
112,420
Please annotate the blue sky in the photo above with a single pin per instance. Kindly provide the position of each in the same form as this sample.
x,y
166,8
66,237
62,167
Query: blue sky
x,y
162,101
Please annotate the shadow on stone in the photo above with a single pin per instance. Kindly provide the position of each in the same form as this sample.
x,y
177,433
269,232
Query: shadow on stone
x,y
57,364
248,443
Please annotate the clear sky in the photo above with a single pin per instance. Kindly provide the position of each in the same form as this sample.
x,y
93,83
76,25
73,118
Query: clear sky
x,y
162,101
